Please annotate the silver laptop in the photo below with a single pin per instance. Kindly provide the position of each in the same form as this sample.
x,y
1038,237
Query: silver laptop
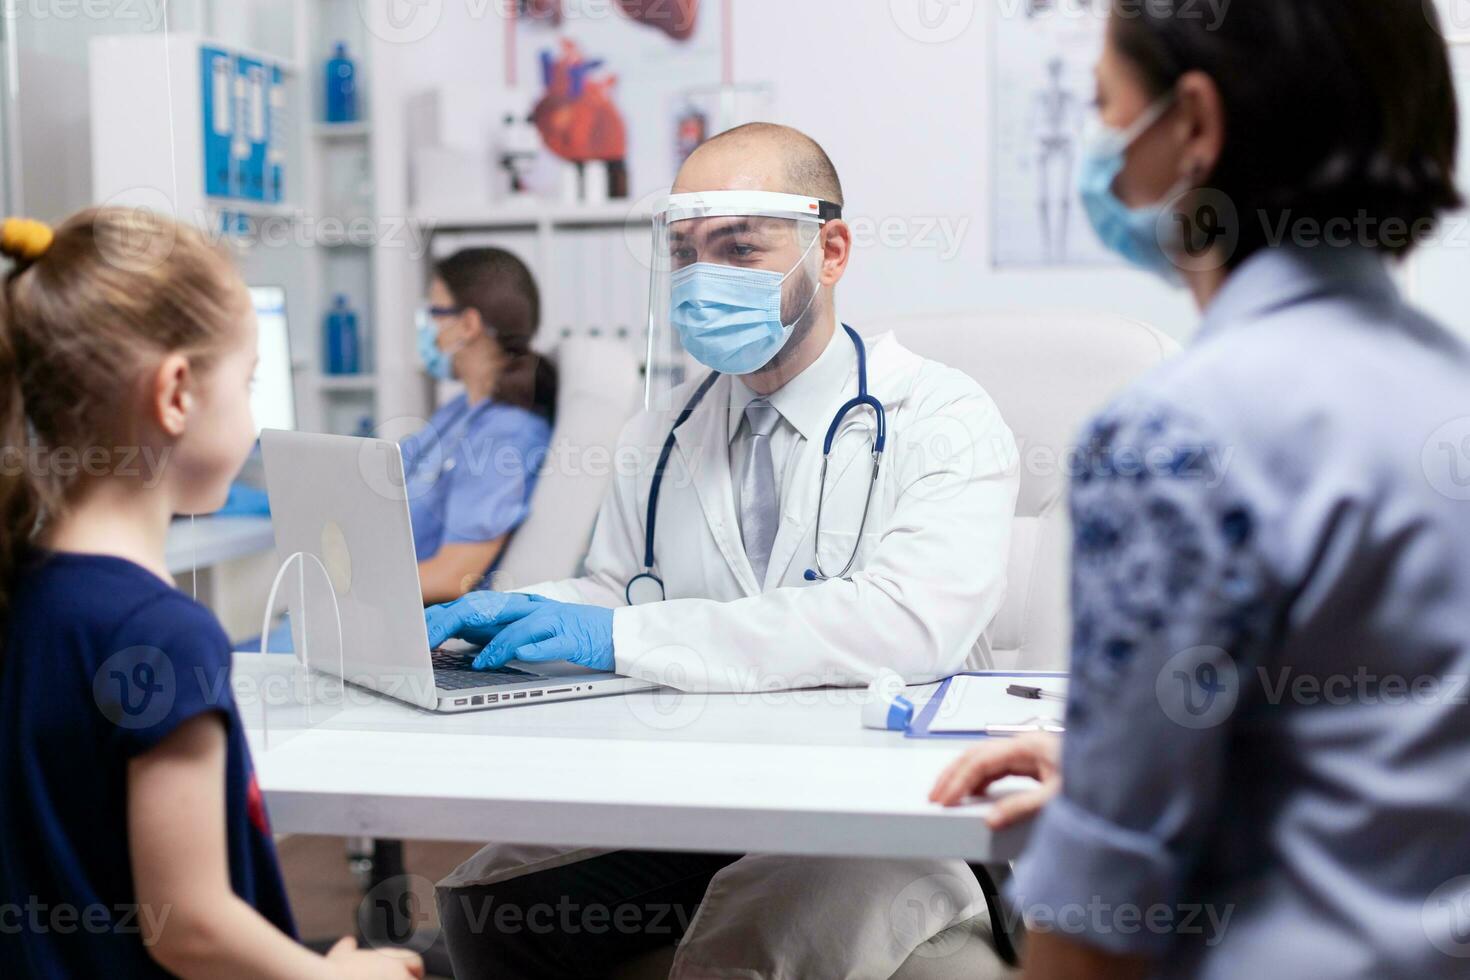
x,y
342,503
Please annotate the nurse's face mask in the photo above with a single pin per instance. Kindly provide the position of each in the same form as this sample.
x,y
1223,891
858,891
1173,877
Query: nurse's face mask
x,y
439,363
734,275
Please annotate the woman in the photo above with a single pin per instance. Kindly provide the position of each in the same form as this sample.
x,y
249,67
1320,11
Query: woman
x,y
471,471
1264,772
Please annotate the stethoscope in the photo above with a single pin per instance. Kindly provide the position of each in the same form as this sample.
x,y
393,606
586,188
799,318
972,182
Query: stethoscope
x,y
648,587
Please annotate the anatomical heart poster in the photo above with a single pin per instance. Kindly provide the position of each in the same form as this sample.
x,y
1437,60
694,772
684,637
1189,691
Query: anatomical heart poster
x,y
602,74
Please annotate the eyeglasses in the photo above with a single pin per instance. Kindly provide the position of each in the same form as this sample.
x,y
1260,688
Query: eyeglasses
x,y
438,312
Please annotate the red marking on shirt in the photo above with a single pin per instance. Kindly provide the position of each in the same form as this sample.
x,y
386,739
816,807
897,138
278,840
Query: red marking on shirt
x,y
255,807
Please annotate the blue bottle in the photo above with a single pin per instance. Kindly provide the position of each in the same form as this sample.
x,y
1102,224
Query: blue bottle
x,y
343,347
351,340
332,339
341,87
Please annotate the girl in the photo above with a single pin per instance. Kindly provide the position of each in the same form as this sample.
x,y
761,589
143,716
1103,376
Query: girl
x,y
472,469
133,838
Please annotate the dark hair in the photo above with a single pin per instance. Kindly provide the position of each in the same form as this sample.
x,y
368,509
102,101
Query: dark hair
x,y
1335,109
500,287
84,312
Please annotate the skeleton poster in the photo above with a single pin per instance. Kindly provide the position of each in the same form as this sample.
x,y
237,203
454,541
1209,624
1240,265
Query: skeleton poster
x,y
1043,54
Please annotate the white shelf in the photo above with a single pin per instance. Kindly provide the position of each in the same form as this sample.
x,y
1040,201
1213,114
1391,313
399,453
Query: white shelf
x,y
345,383
251,209
535,214
342,131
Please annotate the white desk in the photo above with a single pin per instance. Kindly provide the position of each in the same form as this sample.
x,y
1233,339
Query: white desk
x,y
215,540
787,772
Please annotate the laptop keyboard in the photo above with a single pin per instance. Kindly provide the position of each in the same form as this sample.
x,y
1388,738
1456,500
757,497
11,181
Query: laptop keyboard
x,y
452,672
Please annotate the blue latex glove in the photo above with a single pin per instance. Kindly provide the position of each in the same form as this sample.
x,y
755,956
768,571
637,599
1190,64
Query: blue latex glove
x,y
580,634
478,617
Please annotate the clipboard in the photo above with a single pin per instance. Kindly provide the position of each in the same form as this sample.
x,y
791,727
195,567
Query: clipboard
x,y
919,727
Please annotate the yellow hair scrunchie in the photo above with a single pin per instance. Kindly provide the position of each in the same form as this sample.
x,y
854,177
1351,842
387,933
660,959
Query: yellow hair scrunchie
x,y
25,239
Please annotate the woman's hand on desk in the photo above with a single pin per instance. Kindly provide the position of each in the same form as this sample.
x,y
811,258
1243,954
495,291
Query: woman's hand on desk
x,y
1037,756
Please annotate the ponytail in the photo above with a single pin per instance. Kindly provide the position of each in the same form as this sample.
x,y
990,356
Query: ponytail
x,y
528,381
21,496
543,389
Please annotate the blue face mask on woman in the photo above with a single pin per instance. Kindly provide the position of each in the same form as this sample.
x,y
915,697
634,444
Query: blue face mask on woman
x,y
729,319
1139,235
439,364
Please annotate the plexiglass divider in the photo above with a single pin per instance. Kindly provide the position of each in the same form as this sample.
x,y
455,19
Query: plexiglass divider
x,y
290,708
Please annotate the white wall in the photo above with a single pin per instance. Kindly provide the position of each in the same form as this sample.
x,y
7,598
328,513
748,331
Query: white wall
x,y
905,121
49,95
907,124
53,160
1438,272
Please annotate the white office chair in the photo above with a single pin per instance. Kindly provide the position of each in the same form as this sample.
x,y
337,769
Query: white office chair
x,y
1048,372
599,389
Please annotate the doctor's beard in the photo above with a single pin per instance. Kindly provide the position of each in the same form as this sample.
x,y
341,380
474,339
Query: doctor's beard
x,y
800,298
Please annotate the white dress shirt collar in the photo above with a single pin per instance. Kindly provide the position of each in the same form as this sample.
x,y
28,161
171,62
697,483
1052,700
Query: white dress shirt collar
x,y
809,400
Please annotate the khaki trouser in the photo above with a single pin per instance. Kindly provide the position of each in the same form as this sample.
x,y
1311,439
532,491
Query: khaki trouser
x,y
774,917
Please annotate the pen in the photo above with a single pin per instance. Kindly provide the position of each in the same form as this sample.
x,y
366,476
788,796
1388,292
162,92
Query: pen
x,y
1033,693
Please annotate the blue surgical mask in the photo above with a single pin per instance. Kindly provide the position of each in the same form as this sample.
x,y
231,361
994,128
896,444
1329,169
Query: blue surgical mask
x,y
1133,233
438,363
729,319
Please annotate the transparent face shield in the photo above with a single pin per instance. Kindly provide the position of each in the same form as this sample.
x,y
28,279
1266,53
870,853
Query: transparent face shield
x,y
735,278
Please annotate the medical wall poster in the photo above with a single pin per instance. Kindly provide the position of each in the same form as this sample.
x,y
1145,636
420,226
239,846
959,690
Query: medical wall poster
x,y
698,113
1043,54
602,75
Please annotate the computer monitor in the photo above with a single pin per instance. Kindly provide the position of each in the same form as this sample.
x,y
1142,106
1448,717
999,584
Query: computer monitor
x,y
273,398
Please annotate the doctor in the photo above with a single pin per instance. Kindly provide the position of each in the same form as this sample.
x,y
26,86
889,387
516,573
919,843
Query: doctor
x,y
760,562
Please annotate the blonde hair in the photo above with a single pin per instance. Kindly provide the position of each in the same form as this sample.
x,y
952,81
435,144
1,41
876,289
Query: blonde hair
x,y
84,313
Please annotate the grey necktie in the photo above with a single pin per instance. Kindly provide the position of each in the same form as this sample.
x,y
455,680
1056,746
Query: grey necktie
x,y
759,509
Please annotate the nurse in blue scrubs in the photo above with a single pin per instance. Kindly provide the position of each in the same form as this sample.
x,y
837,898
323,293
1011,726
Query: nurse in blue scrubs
x,y
472,469
1266,766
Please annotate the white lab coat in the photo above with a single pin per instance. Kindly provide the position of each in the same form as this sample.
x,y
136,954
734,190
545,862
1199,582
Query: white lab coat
x,y
931,567
929,577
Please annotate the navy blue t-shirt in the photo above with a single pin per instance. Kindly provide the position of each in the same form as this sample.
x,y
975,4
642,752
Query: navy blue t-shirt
x,y
101,661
